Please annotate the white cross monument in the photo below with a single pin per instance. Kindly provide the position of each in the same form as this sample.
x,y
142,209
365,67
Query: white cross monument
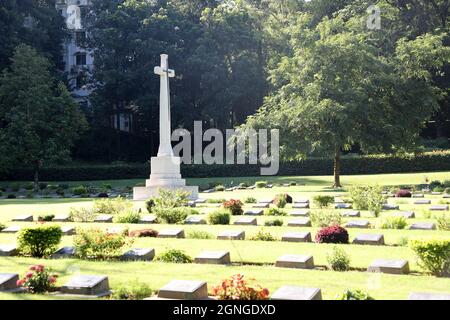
x,y
165,168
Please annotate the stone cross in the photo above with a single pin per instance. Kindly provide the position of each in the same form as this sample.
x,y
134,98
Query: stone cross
x,y
165,146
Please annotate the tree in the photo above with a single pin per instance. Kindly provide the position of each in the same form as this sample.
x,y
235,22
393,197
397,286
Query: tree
x,y
39,121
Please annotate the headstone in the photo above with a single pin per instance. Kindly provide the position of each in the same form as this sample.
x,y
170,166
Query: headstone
x,y
191,204
148,219
301,200
12,229
296,293
299,222
434,193
428,296
338,200
439,208
65,252
251,188
246,221
104,218
231,235
8,281
296,237
209,191
195,220
405,214
261,205
23,218
8,250
200,201
446,196
254,212
423,226
370,239
61,218
418,195
389,266
358,224
295,261
388,206
301,205
68,231
185,290
422,201
300,213
352,214
343,206
286,185
139,255
87,285
172,233
269,186
213,257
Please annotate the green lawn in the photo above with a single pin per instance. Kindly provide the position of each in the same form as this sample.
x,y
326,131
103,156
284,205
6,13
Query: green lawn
x,y
253,258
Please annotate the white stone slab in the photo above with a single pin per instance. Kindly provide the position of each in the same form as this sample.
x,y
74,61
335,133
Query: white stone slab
x,y
295,261
231,235
296,237
148,219
300,213
195,220
439,208
422,201
299,222
104,218
418,195
8,282
405,214
12,229
369,239
213,257
301,205
389,266
68,231
8,250
200,201
89,285
138,254
388,206
296,293
261,205
301,200
65,252
423,226
428,296
352,214
172,233
23,218
358,224
343,206
185,290
254,212
61,218
246,221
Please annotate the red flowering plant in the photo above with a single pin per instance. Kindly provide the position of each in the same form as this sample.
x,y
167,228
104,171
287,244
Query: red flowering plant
x,y
235,206
236,288
332,234
403,194
37,280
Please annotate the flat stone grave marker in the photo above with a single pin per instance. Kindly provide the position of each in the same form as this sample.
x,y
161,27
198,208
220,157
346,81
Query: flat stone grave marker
x,y
213,257
104,218
231,235
434,193
299,222
64,252
214,205
246,221
172,233
439,208
343,206
8,281
301,200
426,190
191,204
229,189
389,266
301,205
23,218
12,229
209,191
423,226
405,214
200,201
300,213
68,231
269,186
295,261
338,200
261,205
428,296
388,206
286,185
296,293
418,195
251,188
138,254
8,250
147,219
369,239
422,201
195,220
254,212
296,237
358,224
185,290
61,218
352,213
446,196
87,285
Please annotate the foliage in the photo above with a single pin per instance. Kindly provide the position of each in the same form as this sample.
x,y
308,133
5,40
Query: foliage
x,y
354,295
100,245
274,223
443,222
332,234
174,256
39,241
275,212
250,200
237,288
323,201
368,198
46,218
80,190
219,217
282,199
38,280
199,234
132,291
338,260
149,205
215,200
143,233
130,216
2,226
219,188
82,214
261,184
113,207
235,206
433,255
172,215
393,223
262,235
325,218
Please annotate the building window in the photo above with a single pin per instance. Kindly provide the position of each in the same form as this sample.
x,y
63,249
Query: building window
x,y
81,59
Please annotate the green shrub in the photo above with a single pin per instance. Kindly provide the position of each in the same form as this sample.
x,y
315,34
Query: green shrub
x,y
29,186
171,199
172,215
280,201
113,207
80,190
132,291
426,214
174,256
82,214
39,241
219,217
130,216
250,200
368,198
443,222
219,188
338,260
435,184
354,295
11,196
60,192
98,244
15,187
150,205
325,218
433,255
402,241
274,223
199,234
393,223
438,189
261,184
37,280
43,185
243,185
46,218
276,212
235,207
262,235
215,200
323,201
447,190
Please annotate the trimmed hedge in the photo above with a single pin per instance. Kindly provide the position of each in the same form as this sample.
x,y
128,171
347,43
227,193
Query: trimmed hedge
x,y
426,162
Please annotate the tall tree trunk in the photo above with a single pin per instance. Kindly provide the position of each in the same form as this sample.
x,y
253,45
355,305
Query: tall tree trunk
x,y
37,165
337,168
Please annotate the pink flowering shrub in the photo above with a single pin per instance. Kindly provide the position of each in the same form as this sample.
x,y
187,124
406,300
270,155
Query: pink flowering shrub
x,y
236,288
37,280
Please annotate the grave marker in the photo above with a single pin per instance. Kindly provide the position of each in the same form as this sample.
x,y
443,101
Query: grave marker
x,y
12,229
296,293
148,219
231,235
439,208
23,218
358,224
246,221
352,214
8,250
104,218
261,205
405,214
299,222
389,266
139,255
295,261
8,282
300,213
65,252
369,239
172,233
195,220
87,285
254,212
423,226
428,296
297,237
68,231
422,201
213,257
388,206
61,218
343,206
301,205
185,290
